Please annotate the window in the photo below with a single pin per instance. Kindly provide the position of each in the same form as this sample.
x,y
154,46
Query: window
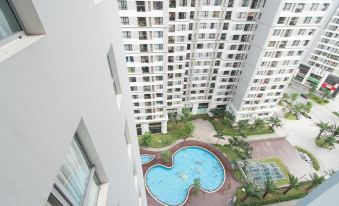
x,y
158,34
9,24
128,47
157,20
76,181
113,71
122,4
124,20
157,5
281,20
142,35
140,6
287,7
126,34
182,15
307,20
141,21
314,6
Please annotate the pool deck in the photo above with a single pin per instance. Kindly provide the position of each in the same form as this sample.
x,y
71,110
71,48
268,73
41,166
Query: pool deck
x,y
219,198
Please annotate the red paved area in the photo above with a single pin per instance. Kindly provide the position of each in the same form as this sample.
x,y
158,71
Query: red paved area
x,y
280,147
219,198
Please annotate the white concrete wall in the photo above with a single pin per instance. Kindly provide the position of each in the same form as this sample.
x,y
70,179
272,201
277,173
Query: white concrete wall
x,y
47,85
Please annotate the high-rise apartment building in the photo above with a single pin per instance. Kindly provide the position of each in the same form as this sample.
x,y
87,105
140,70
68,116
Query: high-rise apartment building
x,y
204,54
67,131
321,64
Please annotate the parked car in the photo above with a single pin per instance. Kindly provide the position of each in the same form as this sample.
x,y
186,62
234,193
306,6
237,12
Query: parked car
x,y
304,96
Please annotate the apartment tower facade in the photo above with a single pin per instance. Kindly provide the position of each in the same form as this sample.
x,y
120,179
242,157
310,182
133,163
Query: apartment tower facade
x,y
237,55
67,133
320,66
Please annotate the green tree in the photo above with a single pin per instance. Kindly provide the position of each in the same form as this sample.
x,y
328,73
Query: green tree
x,y
323,127
329,172
250,191
242,125
196,186
308,107
269,188
330,141
326,94
294,96
188,129
241,147
166,156
219,136
274,122
229,119
146,139
285,97
312,90
315,180
293,182
258,123
174,117
186,114
217,112
335,130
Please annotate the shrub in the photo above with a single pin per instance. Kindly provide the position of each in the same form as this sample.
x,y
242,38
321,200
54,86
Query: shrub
x,y
146,139
279,199
315,162
188,129
196,186
166,156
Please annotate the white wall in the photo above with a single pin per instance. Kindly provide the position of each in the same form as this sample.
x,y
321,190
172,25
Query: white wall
x,y
47,87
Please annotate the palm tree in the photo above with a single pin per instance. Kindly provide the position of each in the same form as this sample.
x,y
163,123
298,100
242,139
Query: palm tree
x,y
298,109
335,130
330,141
329,172
293,182
258,123
250,191
327,94
219,136
274,121
229,118
242,125
269,188
315,180
323,126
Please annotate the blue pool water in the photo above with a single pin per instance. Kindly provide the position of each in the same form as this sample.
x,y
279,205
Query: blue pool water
x,y
145,158
170,185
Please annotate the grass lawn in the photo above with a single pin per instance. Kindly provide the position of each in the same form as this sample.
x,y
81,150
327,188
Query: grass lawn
x,y
318,100
290,116
231,156
315,162
226,130
272,198
226,149
282,167
174,132
320,143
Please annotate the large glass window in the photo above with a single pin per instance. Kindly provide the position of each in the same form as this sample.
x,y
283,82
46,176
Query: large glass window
x,y
9,25
76,183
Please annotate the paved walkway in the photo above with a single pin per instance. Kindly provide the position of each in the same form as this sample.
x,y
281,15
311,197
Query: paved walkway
x,y
204,131
304,131
281,148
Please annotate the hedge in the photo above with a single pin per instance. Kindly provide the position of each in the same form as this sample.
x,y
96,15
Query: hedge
x,y
279,199
315,162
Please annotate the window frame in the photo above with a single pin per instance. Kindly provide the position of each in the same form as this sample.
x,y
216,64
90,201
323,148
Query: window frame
x,y
16,35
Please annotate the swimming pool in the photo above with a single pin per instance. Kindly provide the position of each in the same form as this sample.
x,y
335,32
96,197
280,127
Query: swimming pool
x,y
146,158
170,186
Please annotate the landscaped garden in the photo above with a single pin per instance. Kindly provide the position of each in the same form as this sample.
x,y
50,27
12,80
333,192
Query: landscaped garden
x,y
224,123
294,109
250,195
327,136
179,127
308,157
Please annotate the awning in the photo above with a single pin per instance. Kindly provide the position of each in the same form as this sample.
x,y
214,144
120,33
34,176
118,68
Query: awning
x,y
313,80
